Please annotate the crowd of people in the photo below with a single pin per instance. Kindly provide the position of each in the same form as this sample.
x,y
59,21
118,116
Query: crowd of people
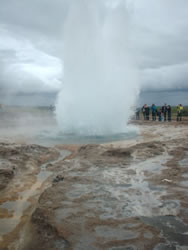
x,y
163,113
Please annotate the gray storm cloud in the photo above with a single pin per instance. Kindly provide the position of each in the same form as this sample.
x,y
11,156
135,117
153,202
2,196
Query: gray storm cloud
x,y
31,41
24,68
166,77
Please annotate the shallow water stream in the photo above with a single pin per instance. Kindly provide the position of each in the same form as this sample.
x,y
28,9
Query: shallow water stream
x,y
17,208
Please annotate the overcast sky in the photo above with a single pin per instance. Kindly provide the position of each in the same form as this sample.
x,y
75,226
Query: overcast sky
x,y
31,43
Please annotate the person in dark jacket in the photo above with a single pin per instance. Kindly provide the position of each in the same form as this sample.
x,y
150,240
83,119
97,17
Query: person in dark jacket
x,y
159,113
144,111
164,111
169,113
147,110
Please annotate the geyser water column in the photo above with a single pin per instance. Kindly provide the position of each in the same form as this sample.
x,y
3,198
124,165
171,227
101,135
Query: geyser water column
x,y
100,83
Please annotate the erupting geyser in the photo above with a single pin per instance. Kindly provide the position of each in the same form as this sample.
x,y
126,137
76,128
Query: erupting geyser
x,y
100,83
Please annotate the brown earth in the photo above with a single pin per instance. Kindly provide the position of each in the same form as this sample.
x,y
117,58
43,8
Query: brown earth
x,y
122,195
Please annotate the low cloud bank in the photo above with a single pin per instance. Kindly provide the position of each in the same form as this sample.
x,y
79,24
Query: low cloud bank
x,y
31,41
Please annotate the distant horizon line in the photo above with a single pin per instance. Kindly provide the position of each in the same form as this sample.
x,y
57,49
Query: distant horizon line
x,y
22,93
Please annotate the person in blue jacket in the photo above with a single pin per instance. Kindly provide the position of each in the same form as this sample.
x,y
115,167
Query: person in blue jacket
x,y
154,112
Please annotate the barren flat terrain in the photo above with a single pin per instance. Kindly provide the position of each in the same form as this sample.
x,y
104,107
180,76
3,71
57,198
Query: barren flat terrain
x,y
130,194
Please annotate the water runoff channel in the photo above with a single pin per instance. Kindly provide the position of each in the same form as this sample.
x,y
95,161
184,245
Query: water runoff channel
x,y
19,207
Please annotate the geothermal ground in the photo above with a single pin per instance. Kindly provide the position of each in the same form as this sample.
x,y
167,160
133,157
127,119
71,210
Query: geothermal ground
x,y
122,195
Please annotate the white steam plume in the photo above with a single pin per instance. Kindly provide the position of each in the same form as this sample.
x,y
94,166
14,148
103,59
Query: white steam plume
x,y
100,82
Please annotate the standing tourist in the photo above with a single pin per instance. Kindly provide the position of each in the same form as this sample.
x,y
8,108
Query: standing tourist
x,y
154,112
144,111
147,110
164,111
169,112
159,115
179,112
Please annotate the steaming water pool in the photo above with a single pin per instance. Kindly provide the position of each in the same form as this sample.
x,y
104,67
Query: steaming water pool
x,y
49,138
40,126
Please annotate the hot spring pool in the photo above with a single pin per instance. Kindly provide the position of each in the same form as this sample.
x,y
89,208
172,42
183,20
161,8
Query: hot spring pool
x,y
50,138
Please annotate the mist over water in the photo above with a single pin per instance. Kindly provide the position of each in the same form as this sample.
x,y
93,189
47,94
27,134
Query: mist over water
x,y
100,82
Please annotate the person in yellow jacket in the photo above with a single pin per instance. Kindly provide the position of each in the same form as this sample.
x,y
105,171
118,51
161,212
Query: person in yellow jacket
x,y
179,112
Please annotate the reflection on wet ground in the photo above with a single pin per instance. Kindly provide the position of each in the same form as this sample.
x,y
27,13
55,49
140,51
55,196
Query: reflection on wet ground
x,y
104,204
15,208
184,162
173,229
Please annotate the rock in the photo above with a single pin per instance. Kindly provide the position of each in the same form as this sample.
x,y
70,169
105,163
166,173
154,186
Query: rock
x,y
5,176
58,178
6,172
46,236
121,152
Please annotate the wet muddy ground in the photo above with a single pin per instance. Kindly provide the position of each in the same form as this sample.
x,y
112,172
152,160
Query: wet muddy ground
x,y
123,195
